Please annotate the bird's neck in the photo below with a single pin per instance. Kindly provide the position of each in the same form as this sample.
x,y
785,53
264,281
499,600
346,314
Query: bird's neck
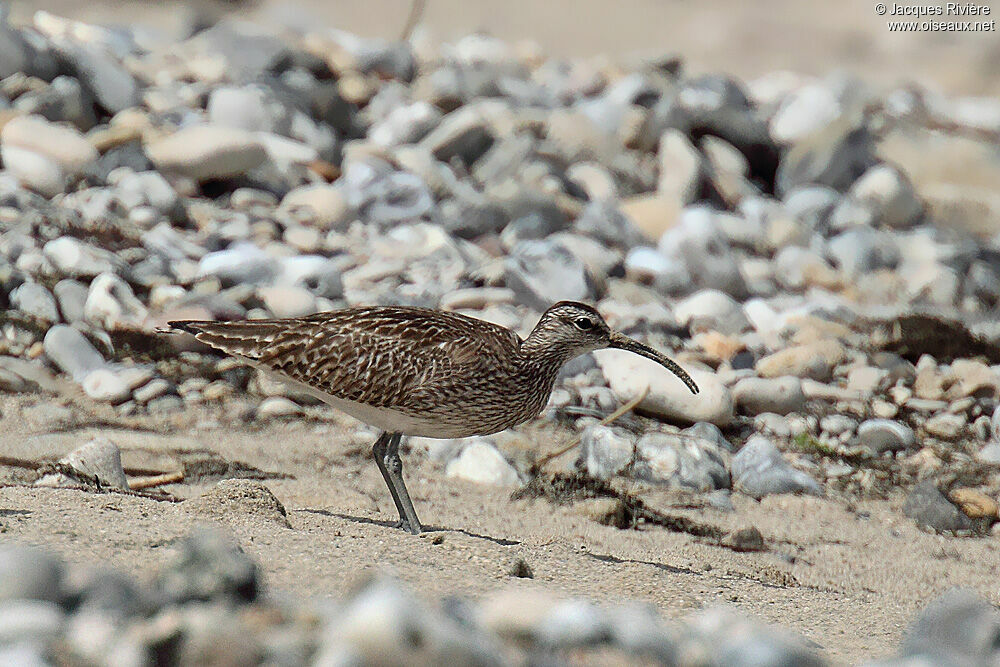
x,y
541,358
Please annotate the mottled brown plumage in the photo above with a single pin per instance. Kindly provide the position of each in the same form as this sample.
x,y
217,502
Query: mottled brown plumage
x,y
417,371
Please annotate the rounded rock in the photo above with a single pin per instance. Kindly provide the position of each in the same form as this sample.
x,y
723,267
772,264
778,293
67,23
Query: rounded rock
x,y
203,152
881,435
482,463
629,375
780,395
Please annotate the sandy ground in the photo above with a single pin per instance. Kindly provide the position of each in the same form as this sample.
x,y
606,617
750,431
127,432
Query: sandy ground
x,y
747,39
849,576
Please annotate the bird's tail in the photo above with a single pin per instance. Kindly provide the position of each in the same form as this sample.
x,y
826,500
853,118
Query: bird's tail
x,y
246,338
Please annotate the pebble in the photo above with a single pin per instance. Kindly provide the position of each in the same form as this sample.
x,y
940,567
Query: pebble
x,y
44,156
945,426
99,458
781,395
71,352
29,573
31,622
106,385
667,397
77,259
712,310
111,304
207,566
277,407
974,503
36,301
482,463
543,272
681,461
71,296
884,435
606,451
699,243
958,627
810,360
758,470
324,206
203,152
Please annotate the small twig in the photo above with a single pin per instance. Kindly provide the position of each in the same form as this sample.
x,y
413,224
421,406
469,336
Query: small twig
x,y
416,11
155,480
627,407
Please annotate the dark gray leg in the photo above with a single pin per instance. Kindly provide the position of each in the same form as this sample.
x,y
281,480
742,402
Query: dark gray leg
x,y
386,453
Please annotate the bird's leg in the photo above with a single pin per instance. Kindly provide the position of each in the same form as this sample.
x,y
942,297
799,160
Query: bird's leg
x,y
386,453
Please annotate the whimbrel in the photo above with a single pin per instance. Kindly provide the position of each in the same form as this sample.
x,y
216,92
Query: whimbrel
x,y
423,372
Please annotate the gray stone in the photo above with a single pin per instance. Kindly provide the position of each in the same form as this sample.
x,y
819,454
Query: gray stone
x,y
812,205
711,433
71,296
28,573
804,112
405,124
33,299
464,134
835,156
881,435
605,451
780,395
931,509
383,195
146,188
957,628
383,622
638,629
889,195
543,272
71,352
680,461
712,310
604,221
241,263
758,470
36,622
111,83
99,458
573,623
76,259
699,243
209,566
862,250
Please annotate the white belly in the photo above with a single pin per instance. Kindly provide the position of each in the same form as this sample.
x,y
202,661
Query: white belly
x,y
386,419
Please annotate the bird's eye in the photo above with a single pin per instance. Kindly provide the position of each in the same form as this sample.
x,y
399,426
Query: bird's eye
x,y
584,323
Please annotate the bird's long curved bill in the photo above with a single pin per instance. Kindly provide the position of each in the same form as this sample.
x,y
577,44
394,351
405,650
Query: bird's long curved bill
x,y
623,342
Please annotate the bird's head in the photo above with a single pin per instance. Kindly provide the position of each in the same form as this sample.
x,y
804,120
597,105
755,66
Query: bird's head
x,y
574,328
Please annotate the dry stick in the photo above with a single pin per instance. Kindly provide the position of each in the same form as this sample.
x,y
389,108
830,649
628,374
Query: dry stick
x,y
627,407
416,11
155,480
